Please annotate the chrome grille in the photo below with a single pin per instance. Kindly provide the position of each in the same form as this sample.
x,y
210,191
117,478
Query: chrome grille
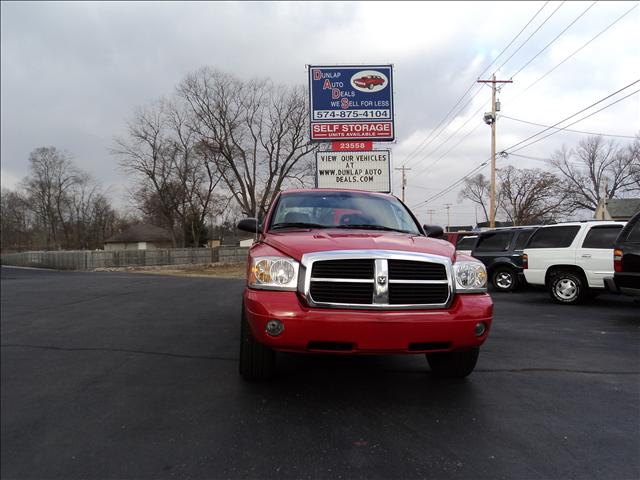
x,y
412,270
358,269
376,279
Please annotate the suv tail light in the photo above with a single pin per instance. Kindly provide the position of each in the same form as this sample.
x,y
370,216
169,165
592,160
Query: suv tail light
x,y
617,260
525,261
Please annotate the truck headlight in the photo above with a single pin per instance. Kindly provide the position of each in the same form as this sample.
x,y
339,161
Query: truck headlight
x,y
274,273
471,277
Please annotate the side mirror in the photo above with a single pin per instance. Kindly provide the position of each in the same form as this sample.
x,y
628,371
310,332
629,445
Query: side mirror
x,y
249,225
433,231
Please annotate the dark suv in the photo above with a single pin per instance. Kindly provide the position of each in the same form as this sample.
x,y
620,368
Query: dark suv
x,y
626,260
501,252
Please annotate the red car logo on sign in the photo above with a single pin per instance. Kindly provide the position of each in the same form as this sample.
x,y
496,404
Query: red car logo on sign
x,y
369,81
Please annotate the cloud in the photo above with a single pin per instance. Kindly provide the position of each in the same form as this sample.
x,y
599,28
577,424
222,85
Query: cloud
x,y
72,73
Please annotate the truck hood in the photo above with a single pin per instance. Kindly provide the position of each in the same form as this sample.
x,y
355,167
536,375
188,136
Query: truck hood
x,y
297,243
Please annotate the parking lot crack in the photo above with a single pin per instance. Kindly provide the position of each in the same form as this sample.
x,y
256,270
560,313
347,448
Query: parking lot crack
x,y
119,350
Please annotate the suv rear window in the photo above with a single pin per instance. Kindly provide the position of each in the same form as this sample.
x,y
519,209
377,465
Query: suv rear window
x,y
522,239
494,242
553,237
601,237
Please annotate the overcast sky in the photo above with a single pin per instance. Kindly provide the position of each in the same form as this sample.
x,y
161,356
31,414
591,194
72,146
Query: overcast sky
x,y
72,73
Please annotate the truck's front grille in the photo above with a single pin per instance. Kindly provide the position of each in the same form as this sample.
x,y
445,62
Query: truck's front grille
x,y
411,293
342,292
419,281
411,270
357,268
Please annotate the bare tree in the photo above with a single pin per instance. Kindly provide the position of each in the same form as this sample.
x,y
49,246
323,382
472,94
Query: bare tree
x,y
175,179
477,189
530,196
60,205
52,175
254,132
596,169
16,226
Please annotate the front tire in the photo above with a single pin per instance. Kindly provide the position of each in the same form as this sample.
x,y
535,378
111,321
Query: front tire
x,y
257,361
453,364
567,288
504,279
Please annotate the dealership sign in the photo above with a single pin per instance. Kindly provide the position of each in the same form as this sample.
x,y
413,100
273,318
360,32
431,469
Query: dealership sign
x,y
360,170
351,102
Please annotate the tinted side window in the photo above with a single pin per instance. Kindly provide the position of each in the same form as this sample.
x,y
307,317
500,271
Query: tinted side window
x,y
494,242
554,237
631,231
601,237
466,243
634,234
522,239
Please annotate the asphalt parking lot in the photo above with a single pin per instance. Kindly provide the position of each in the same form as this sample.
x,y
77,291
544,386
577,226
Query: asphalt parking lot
x,y
114,375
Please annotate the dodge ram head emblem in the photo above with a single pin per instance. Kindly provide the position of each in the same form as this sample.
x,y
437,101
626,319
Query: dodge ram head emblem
x,y
382,280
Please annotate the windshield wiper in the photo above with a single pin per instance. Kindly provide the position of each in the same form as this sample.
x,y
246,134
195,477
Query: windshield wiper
x,y
373,227
296,225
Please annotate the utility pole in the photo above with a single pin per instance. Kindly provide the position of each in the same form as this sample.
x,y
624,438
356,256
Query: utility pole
x,y
404,179
490,119
448,206
430,213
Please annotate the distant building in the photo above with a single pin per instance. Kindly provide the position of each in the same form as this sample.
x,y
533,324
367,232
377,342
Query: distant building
x,y
141,236
233,237
621,209
498,224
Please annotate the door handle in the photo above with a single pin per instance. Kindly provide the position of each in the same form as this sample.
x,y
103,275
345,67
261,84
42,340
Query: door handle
x,y
586,255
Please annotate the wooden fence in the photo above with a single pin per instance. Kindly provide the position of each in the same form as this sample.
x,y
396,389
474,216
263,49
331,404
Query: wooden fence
x,y
90,259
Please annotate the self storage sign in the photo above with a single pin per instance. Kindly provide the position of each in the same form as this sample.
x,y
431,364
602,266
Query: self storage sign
x,y
351,102
360,170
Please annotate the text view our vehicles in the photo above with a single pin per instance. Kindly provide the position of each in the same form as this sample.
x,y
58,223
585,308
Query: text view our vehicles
x,y
571,259
352,272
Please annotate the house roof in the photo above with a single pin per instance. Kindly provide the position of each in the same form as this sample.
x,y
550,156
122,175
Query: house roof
x,y
141,232
623,207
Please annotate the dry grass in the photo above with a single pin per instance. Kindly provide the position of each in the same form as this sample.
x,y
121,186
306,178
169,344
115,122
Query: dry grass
x,y
222,270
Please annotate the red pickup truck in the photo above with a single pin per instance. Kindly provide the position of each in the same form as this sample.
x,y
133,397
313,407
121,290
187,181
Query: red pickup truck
x,y
368,281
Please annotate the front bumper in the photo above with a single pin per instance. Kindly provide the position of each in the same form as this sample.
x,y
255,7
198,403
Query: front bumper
x,y
366,331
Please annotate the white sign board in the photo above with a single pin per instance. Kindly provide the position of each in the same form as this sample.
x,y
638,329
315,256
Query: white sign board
x,y
365,170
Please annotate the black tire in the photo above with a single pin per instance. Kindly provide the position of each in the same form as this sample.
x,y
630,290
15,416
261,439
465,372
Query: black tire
x,y
370,87
504,279
453,364
257,361
567,288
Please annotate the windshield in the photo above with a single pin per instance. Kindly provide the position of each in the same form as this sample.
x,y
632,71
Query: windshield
x,y
342,210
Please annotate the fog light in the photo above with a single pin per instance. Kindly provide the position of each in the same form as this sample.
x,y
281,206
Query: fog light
x,y
274,327
480,329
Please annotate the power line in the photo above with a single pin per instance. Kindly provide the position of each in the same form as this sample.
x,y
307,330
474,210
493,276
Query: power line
x,y
575,114
507,152
554,39
529,37
422,145
566,129
453,185
512,100
581,119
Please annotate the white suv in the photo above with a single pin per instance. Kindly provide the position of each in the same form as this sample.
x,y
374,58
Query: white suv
x,y
571,258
